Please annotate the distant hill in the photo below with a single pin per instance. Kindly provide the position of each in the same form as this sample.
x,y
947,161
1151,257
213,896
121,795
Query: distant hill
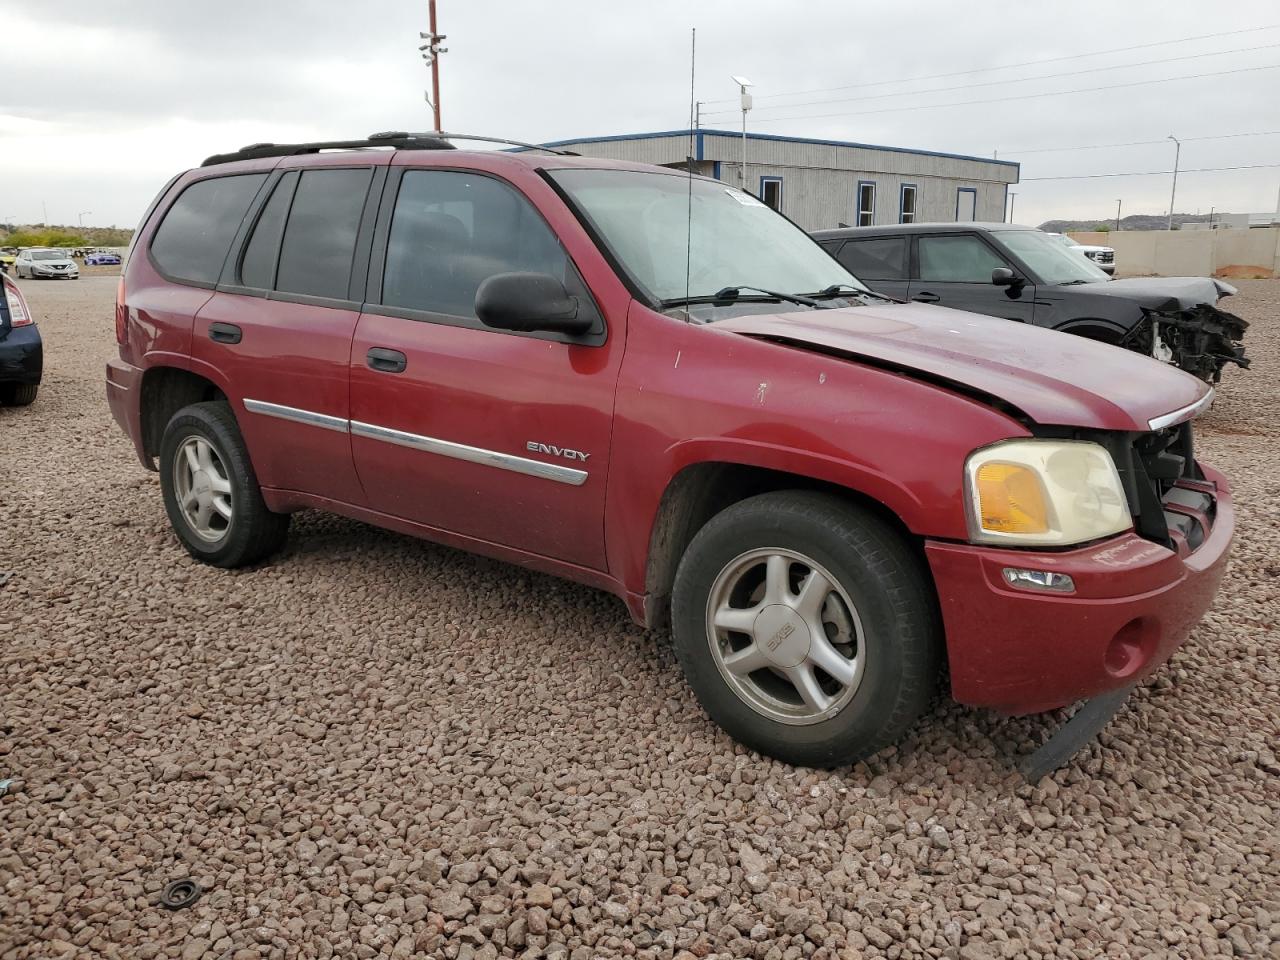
x,y
1137,221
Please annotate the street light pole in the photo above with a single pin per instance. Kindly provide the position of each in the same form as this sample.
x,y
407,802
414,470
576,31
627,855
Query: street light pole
x,y
1177,153
743,83
80,217
1012,194
1117,216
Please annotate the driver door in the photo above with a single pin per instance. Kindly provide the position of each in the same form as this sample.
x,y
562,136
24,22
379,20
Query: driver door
x,y
954,270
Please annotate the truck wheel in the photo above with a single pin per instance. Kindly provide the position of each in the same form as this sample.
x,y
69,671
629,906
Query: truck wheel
x,y
807,628
18,394
211,492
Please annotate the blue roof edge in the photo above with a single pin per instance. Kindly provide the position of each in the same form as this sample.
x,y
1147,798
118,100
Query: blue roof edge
x,y
784,139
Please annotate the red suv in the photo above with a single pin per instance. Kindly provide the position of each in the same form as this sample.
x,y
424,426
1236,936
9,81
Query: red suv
x,y
653,384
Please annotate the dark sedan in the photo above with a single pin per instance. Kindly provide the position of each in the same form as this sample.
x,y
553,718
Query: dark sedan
x,y
21,350
1022,274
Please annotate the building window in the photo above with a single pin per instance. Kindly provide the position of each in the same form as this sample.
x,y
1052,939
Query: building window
x,y
907,204
771,192
966,204
866,203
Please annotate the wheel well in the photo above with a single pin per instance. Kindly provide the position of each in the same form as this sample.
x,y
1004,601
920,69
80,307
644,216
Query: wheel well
x,y
699,492
1101,330
165,391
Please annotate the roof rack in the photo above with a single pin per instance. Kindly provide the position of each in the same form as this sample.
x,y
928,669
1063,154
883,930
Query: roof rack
x,y
400,141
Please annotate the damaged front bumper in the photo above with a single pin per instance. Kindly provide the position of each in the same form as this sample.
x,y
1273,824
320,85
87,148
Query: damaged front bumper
x,y
1200,340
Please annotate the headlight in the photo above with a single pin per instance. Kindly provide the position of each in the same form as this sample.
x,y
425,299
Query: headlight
x,y
1044,493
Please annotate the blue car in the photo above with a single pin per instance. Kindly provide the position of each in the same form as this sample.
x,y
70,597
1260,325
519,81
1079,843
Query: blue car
x,y
21,350
102,258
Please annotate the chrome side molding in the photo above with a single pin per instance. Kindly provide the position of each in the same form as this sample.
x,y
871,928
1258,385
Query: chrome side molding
x,y
309,417
414,441
460,451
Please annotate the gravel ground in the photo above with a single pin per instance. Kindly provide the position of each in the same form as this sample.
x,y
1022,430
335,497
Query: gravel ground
x,y
375,746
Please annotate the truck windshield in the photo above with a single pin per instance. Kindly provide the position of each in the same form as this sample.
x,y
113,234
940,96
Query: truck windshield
x,y
1051,261
48,255
681,239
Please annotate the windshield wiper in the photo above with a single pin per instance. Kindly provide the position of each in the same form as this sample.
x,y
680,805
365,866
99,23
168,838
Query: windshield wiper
x,y
733,294
1072,283
835,290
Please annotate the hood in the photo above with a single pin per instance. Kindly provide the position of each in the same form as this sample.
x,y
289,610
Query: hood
x,y
1054,378
1166,294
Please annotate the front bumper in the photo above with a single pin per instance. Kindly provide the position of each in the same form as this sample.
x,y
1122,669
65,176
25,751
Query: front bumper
x,y
1024,651
124,390
39,274
21,355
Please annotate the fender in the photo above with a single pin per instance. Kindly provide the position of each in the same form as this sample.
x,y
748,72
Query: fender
x,y
860,478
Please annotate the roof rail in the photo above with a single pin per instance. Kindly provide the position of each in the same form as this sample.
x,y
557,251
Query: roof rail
x,y
510,143
400,141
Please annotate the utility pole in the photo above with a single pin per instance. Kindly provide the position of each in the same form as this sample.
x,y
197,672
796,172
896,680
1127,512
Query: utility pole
x,y
80,217
1012,194
1117,216
1177,153
431,51
1211,209
743,83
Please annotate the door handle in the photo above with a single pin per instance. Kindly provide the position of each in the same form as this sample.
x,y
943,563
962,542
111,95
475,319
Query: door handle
x,y
926,297
386,361
224,332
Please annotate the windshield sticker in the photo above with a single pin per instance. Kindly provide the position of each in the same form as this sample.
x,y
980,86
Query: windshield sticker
x,y
746,199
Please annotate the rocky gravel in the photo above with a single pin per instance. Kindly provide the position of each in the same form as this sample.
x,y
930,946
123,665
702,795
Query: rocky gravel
x,y
378,747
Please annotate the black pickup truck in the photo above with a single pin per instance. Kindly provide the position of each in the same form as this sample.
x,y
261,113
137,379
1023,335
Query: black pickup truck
x,y
1022,274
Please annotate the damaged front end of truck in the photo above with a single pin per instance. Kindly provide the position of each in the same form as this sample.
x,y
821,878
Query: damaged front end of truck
x,y
1201,339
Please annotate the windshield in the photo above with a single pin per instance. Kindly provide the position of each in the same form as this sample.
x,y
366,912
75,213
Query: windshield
x,y
1063,239
1049,260
48,255
730,239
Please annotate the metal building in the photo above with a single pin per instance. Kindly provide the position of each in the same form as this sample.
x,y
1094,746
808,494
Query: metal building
x,y
827,183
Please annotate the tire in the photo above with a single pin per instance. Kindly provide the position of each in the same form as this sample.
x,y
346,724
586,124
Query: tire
x,y
238,529
881,617
18,394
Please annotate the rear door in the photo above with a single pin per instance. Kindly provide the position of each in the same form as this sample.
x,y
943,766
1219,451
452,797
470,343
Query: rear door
x,y
954,270
880,262
499,436
281,323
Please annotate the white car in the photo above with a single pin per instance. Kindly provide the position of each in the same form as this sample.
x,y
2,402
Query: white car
x,y
46,262
1103,257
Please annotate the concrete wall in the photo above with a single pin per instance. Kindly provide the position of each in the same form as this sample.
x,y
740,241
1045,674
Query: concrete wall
x,y
1193,253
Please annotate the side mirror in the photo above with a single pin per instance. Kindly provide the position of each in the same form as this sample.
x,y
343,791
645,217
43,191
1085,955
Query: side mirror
x,y
1004,277
528,302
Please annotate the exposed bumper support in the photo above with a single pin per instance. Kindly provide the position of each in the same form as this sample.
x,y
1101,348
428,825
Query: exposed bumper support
x,y
1084,725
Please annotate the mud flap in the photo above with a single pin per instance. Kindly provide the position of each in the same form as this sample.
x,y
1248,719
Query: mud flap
x,y
1083,726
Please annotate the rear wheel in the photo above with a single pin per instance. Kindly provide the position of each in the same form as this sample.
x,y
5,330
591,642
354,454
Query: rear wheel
x,y
807,628
18,394
211,492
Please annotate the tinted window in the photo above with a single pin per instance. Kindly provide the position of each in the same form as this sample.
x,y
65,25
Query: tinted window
x,y
196,233
320,237
962,258
258,269
876,258
451,231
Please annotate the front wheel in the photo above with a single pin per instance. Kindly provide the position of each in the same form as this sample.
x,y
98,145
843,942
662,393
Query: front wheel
x,y
18,394
807,628
211,492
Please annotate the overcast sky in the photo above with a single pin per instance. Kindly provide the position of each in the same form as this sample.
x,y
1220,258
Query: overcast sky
x,y
101,103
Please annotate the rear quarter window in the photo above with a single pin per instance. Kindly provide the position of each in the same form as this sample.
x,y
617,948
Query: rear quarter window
x,y
876,258
195,235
